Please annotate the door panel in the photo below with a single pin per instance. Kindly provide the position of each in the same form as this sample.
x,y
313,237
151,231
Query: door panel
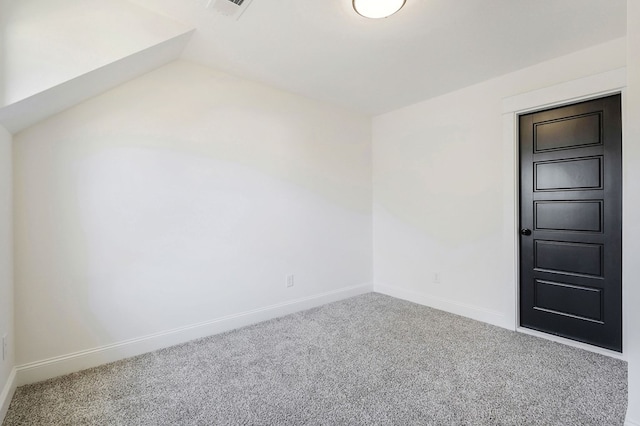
x,y
570,207
576,173
568,132
571,258
568,299
578,216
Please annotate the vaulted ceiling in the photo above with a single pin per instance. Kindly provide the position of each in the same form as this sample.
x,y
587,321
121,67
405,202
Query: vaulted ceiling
x,y
320,49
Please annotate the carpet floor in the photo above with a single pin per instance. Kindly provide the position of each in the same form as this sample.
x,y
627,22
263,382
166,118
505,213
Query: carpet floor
x,y
368,360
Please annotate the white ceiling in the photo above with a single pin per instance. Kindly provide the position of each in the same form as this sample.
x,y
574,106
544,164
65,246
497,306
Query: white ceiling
x,y
26,112
324,50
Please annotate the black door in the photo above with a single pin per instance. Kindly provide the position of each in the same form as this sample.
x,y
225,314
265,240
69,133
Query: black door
x,y
571,222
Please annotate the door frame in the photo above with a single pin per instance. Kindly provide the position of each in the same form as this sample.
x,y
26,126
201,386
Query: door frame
x,y
584,89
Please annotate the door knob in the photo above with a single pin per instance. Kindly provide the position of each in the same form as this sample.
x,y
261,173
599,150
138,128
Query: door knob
x,y
525,231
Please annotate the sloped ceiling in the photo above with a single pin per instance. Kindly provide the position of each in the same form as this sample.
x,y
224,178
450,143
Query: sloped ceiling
x,y
324,50
319,49
57,53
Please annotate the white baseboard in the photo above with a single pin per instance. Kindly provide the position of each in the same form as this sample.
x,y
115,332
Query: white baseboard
x,y
469,311
7,394
54,367
630,422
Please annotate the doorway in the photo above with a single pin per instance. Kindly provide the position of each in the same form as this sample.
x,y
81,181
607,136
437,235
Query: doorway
x,y
571,222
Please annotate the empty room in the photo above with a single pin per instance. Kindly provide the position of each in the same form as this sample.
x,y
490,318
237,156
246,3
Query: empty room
x,y
337,212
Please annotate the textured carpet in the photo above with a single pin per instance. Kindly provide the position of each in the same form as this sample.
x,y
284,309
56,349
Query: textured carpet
x,y
368,360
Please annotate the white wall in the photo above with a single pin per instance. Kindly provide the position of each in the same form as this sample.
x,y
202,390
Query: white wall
x,y
439,192
180,197
6,263
3,55
631,236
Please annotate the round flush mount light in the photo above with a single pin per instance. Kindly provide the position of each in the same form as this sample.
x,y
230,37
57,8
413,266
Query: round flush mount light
x,y
377,8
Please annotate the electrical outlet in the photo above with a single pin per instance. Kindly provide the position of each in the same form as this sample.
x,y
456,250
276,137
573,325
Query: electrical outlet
x,y
290,281
5,346
437,277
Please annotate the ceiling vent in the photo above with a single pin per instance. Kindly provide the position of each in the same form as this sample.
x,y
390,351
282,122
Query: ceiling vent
x,y
231,8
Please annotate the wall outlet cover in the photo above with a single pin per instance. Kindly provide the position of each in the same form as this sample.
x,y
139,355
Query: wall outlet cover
x,y
5,346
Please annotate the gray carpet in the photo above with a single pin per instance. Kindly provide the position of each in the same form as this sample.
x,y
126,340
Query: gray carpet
x,y
371,360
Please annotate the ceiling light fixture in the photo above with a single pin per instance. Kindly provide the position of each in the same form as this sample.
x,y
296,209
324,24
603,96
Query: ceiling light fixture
x,y
377,8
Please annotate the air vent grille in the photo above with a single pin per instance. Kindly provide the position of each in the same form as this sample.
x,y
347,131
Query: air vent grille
x,y
234,8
